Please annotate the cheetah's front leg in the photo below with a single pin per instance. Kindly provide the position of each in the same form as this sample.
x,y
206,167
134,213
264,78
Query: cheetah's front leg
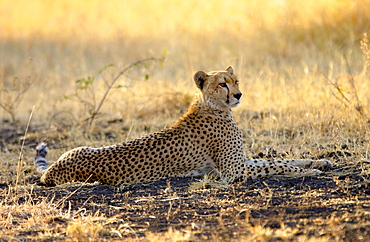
x,y
320,164
290,168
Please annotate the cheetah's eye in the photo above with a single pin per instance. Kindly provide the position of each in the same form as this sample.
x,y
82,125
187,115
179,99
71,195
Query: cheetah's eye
x,y
223,84
236,82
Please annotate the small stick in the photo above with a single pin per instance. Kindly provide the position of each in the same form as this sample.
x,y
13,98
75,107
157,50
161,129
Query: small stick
x,y
110,86
19,167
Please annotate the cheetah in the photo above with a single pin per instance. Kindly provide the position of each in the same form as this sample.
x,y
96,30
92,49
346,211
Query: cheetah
x,y
205,139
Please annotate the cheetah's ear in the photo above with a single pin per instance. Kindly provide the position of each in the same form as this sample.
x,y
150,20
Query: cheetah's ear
x,y
200,77
230,69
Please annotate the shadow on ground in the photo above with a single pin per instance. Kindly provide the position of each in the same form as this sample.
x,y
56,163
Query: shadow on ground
x,y
309,206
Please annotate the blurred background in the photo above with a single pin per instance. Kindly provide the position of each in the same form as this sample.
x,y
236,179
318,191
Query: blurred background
x,y
293,57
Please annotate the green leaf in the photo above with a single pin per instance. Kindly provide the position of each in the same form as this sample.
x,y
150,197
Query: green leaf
x,y
146,76
165,52
105,67
90,80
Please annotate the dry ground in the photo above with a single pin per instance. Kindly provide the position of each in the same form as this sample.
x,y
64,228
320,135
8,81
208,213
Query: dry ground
x,y
333,206
303,70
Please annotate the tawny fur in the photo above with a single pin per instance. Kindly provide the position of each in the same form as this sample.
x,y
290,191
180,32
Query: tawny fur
x,y
205,139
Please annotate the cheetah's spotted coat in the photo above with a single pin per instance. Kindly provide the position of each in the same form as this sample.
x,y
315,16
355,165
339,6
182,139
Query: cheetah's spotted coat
x,y
205,139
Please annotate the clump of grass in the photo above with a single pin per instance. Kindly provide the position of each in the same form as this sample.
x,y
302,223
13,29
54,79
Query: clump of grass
x,y
84,230
44,220
169,236
209,181
33,218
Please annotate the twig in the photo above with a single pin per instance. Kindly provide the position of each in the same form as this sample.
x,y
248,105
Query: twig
x,y
351,81
19,167
96,111
337,87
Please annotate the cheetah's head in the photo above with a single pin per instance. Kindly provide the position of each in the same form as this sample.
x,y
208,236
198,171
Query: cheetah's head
x,y
219,89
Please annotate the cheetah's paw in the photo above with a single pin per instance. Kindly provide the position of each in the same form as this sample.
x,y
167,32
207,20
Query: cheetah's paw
x,y
312,172
321,164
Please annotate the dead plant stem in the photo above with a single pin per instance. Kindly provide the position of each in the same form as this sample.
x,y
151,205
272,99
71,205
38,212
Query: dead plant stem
x,y
110,86
20,158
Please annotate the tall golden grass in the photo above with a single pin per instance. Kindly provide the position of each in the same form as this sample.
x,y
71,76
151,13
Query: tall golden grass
x,y
282,51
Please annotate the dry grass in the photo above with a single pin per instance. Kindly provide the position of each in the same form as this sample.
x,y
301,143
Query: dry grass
x,y
303,76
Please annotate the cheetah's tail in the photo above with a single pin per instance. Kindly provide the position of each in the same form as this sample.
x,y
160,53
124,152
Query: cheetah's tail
x,y
40,158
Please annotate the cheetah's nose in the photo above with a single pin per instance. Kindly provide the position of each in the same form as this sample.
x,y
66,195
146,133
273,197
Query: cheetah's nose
x,y
238,95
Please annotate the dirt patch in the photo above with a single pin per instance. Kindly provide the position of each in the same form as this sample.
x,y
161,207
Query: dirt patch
x,y
308,206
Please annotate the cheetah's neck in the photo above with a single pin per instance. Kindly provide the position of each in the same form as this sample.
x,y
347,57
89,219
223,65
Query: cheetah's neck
x,y
199,108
